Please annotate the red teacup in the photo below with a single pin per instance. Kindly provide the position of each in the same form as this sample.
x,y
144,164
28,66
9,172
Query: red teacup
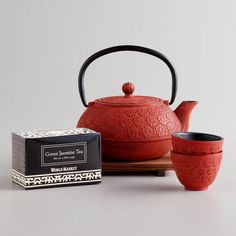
x,y
196,172
196,143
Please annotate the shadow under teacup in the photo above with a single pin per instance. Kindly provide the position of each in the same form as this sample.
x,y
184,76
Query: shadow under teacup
x,y
196,143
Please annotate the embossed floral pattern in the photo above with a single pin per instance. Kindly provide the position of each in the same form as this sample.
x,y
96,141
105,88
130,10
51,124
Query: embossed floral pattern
x,y
197,171
137,123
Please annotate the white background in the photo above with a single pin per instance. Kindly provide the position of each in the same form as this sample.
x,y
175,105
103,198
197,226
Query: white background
x,y
42,46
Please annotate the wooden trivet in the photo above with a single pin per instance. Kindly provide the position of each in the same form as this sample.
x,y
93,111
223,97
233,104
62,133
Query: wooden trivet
x,y
157,166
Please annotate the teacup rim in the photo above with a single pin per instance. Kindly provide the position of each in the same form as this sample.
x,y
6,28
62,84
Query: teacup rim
x,y
212,137
189,155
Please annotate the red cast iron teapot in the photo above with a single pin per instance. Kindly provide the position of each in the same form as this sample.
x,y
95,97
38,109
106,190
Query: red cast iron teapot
x,y
134,128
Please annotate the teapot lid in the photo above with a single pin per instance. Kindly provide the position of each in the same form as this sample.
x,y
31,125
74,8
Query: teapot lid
x,y
128,99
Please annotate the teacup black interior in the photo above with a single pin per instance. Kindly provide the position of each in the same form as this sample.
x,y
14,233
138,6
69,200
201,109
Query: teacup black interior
x,y
197,136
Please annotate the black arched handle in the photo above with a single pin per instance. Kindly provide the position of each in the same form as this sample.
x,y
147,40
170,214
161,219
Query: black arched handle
x,y
125,48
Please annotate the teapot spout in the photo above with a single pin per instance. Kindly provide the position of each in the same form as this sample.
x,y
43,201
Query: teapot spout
x,y
183,112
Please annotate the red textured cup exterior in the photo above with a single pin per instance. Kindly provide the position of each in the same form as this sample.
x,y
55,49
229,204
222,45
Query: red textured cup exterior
x,y
208,144
196,172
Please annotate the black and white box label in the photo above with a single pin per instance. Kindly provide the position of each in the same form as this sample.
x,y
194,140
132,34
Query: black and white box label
x,y
62,154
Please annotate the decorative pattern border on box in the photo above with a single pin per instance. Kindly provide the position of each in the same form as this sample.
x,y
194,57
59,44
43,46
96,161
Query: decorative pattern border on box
x,y
54,133
62,178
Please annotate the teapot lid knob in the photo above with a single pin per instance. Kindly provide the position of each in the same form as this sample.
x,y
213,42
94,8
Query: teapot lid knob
x,y
128,88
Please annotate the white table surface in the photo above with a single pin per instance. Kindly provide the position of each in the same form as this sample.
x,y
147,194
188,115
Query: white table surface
x,y
120,205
